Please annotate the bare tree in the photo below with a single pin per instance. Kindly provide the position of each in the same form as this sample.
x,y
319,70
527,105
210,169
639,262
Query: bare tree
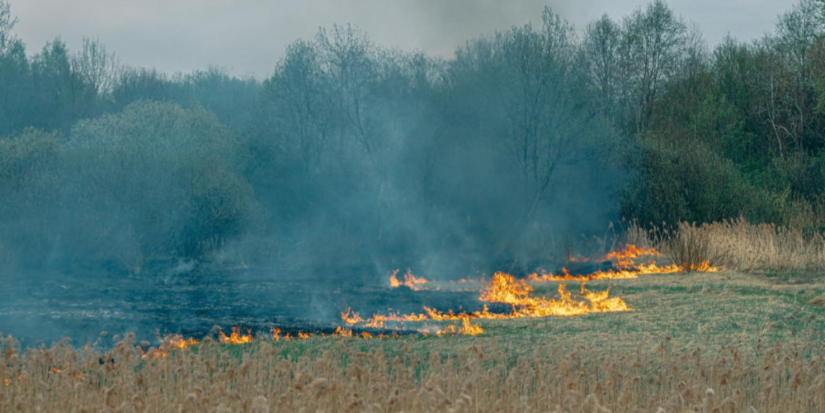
x,y
538,86
653,49
602,40
97,67
346,56
7,23
295,100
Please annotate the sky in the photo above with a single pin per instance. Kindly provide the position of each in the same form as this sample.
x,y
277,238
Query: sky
x,y
247,37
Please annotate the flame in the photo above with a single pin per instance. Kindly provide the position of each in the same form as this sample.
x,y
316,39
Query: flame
x,y
704,266
469,329
625,258
625,267
410,280
7,382
236,337
351,317
505,289
342,332
174,341
169,343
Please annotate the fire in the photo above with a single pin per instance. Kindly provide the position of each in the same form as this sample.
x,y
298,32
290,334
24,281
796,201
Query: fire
x,y
704,266
236,337
505,289
175,341
350,317
342,332
625,267
469,329
410,280
170,343
625,258
500,289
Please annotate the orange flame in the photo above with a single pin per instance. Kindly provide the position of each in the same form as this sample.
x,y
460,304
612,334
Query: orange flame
x,y
505,289
236,337
170,343
469,329
625,262
625,258
410,280
175,341
342,332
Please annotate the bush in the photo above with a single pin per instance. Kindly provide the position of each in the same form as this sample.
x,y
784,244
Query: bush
x,y
29,181
164,178
687,181
153,183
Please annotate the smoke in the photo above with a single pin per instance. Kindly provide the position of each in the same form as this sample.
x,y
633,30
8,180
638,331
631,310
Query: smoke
x,y
353,161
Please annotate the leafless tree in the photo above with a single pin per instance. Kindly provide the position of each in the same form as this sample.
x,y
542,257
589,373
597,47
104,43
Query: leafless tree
x,y
96,66
537,86
652,49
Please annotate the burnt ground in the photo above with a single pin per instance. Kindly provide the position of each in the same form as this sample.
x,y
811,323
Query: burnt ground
x,y
46,307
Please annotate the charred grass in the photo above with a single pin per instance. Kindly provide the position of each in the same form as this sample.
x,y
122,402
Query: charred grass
x,y
709,342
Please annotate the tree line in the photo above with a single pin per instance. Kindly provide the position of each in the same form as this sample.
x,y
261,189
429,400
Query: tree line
x,y
349,155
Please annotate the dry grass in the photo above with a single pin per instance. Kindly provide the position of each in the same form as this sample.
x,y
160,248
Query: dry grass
x,y
687,334
474,377
737,245
708,342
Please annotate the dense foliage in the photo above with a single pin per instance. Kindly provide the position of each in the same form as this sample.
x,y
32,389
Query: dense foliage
x,y
350,155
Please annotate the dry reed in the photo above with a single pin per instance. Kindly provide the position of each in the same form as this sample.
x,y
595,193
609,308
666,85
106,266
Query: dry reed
x,y
736,245
475,377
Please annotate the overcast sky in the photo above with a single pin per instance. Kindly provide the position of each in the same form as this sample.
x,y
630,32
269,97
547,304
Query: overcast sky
x,y
247,37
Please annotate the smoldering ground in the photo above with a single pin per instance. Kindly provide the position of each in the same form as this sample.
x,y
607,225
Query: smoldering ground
x,y
349,162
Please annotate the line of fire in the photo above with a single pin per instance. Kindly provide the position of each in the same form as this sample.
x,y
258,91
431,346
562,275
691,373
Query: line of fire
x,y
504,296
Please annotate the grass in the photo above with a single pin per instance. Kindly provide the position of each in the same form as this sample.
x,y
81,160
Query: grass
x,y
746,339
754,341
737,245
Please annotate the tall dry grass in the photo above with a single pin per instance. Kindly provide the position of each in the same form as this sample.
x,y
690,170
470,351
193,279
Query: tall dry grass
x,y
736,245
477,377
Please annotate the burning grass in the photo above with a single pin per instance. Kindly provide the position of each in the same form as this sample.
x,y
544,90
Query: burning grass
x,y
713,331
504,289
737,245
704,343
626,263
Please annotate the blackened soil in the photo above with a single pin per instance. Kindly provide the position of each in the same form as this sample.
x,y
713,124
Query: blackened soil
x,y
43,308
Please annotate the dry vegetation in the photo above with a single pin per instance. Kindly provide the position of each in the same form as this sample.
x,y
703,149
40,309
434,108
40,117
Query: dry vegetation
x,y
703,342
336,376
688,334
737,245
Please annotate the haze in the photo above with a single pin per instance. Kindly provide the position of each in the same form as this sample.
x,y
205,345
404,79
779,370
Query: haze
x,y
247,37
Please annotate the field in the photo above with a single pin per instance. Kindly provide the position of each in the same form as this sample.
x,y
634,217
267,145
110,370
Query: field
x,y
710,342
